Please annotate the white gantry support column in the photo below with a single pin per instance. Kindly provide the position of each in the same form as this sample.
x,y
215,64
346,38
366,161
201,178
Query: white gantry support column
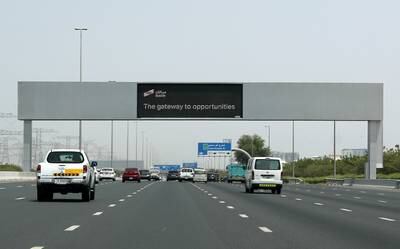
x,y
375,148
27,155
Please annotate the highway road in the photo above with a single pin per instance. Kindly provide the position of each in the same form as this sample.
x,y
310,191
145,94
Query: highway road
x,y
214,215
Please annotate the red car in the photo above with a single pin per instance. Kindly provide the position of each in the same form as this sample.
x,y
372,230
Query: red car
x,y
131,174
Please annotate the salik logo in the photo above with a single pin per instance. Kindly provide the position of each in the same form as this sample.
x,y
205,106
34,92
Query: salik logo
x,y
148,93
161,94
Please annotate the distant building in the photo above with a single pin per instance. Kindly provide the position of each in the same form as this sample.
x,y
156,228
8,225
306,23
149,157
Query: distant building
x,y
286,156
354,152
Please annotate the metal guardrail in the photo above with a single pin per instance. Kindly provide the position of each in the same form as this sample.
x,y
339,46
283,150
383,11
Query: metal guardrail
x,y
293,180
334,181
351,182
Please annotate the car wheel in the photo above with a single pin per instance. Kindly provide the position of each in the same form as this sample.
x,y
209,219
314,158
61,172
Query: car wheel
x,y
278,191
273,191
138,181
86,194
180,180
123,180
113,179
92,194
251,189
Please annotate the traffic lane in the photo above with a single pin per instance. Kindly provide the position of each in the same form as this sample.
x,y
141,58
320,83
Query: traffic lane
x,y
299,221
388,194
356,201
169,215
33,222
11,191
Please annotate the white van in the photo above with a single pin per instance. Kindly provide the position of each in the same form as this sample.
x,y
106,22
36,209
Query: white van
x,y
264,173
200,175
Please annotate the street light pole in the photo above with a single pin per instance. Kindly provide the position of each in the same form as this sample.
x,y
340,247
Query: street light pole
x,y
80,78
293,148
112,142
127,143
269,135
334,149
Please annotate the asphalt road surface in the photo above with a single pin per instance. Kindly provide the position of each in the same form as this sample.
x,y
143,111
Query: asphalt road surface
x,y
215,215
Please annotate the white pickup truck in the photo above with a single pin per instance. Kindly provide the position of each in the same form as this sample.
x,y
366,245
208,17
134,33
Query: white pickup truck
x,y
65,171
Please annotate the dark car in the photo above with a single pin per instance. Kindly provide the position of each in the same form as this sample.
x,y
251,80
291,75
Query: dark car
x,y
173,175
212,177
131,174
145,174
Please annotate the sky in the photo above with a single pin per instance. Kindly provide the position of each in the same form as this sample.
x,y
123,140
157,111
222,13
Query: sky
x,y
208,41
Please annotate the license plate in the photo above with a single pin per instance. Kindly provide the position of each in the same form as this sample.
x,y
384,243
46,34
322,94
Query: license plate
x,y
73,171
130,178
61,181
265,185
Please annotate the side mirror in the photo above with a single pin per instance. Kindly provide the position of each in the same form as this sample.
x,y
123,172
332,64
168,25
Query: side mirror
x,y
93,164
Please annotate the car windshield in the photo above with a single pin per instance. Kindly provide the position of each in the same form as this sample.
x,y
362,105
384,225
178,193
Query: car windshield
x,y
187,170
200,172
267,164
65,157
172,172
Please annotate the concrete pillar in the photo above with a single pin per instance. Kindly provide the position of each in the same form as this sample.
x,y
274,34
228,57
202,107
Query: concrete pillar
x,y
27,160
375,148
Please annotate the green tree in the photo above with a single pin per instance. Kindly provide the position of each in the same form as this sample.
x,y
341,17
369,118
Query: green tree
x,y
254,145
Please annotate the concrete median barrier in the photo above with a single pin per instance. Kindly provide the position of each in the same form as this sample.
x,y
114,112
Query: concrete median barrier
x,y
13,176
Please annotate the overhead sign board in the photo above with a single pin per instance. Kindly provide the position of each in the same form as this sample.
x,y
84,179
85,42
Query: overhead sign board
x,y
189,100
190,165
211,149
168,167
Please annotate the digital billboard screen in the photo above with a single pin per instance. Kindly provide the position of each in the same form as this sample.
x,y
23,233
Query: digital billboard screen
x,y
189,100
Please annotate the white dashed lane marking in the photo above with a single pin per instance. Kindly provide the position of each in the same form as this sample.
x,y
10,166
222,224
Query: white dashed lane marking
x,y
318,204
338,194
265,229
230,207
2,188
19,198
222,202
357,197
37,247
283,196
20,186
346,210
214,197
243,216
111,205
129,196
386,219
121,200
382,201
209,194
298,199
71,228
97,213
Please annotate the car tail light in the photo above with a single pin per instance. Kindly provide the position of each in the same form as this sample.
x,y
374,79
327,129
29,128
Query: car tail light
x,y
252,175
84,168
38,168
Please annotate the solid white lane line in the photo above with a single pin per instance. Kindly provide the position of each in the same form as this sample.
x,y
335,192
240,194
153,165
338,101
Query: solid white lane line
x,y
346,210
37,247
71,228
230,207
298,199
112,205
121,200
357,197
318,204
97,213
382,201
222,202
243,216
386,219
265,229
19,198
129,196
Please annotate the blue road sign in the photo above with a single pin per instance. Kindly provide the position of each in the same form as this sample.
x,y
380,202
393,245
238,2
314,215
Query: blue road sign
x,y
190,165
203,149
168,167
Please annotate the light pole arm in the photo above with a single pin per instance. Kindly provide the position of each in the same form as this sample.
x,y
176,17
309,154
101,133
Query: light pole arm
x,y
243,151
